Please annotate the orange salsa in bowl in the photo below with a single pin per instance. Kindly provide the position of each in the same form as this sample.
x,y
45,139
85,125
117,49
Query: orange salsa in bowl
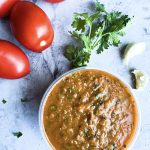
x,y
90,110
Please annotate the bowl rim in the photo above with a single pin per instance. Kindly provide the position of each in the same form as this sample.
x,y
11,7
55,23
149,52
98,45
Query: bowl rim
x,y
44,99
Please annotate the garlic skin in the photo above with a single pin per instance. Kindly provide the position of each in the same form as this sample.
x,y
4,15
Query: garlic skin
x,y
141,79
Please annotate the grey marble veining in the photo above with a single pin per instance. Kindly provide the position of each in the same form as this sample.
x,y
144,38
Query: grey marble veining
x,y
45,67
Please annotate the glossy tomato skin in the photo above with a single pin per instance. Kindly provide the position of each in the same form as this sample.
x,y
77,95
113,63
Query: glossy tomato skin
x,y
13,62
5,7
31,26
54,1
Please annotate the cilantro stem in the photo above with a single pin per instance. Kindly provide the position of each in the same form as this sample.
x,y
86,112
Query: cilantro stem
x,y
106,33
100,36
96,42
90,31
98,39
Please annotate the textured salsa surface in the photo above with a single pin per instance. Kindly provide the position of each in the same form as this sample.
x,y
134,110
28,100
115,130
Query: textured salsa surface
x,y
90,110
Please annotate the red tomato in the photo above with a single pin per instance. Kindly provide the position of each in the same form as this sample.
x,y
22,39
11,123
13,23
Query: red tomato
x,y
31,26
5,7
54,1
13,62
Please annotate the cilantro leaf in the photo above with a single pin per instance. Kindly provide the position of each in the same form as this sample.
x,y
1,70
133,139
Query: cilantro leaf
x,y
100,7
79,24
17,134
4,101
78,57
97,32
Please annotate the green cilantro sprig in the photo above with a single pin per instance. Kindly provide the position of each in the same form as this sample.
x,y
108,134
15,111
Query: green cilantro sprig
x,y
95,32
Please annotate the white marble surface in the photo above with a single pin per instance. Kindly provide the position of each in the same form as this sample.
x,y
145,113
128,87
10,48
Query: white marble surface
x,y
18,116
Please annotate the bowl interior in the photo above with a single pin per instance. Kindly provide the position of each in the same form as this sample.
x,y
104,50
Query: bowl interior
x,y
45,98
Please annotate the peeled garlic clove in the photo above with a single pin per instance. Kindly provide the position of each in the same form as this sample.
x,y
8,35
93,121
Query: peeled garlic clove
x,y
141,79
132,50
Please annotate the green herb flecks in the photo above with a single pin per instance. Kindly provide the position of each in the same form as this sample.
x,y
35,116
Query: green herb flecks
x,y
95,32
17,134
53,108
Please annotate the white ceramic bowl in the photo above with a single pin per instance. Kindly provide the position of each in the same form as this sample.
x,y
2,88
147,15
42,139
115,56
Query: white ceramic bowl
x,y
44,99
